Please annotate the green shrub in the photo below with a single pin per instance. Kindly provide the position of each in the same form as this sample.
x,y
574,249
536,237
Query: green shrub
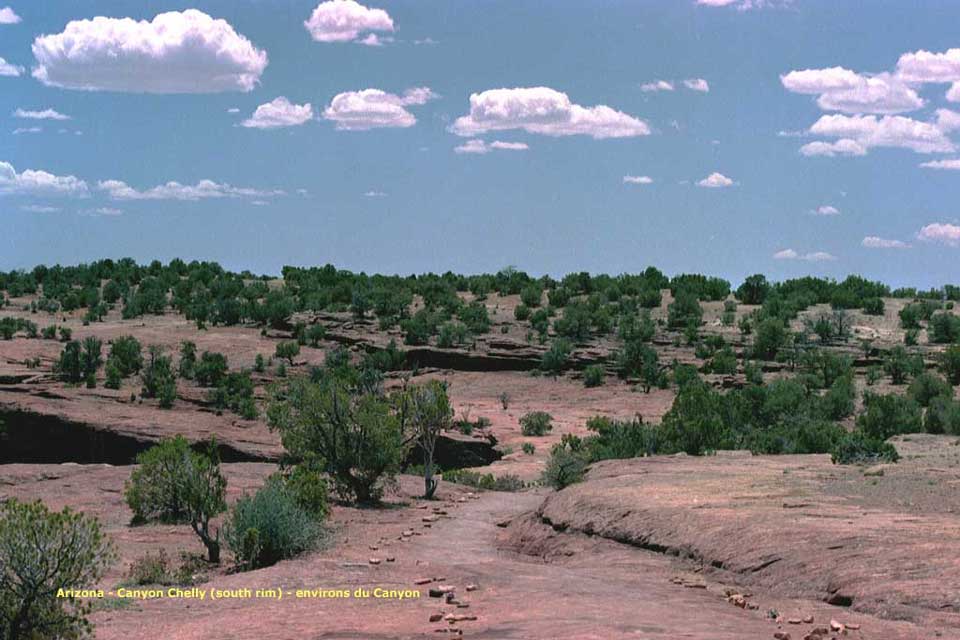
x,y
70,364
127,356
593,376
927,386
858,448
873,306
554,360
314,334
475,316
564,467
944,328
531,295
158,379
452,334
211,368
950,364
287,350
389,359
684,311
942,416
154,491
521,312
536,423
889,415
42,552
269,526
771,335
528,448
694,424
187,368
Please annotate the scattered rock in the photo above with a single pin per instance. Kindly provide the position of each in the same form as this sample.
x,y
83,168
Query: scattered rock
x,y
781,635
423,580
808,619
471,587
436,617
374,561
794,621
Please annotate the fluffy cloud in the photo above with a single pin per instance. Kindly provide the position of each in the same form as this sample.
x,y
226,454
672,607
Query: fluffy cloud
x,y
345,20
545,111
843,90
280,112
35,182
942,233
8,16
953,164
887,131
715,181
637,180
478,146
39,208
373,108
827,210
177,52
9,70
46,114
175,191
657,85
925,66
816,256
842,147
875,242
953,93
697,84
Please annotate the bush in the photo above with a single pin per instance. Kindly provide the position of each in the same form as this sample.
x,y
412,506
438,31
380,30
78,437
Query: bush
x,y
269,526
309,486
554,360
900,366
942,416
889,415
475,316
188,364
593,376
926,386
685,310
340,420
536,423
127,356
859,448
528,448
452,334
565,466
42,552
771,335
950,364
70,365
531,295
873,306
944,328
694,423
314,334
576,322
521,312
212,368
158,379
157,569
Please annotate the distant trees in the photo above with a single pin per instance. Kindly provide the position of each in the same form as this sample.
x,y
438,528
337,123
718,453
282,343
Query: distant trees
x,y
158,379
753,290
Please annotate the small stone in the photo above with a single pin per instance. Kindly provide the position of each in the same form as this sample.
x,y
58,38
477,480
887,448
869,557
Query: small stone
x,y
391,559
794,621
853,626
436,617
423,580
374,547
471,587
781,635
374,561
836,626
808,619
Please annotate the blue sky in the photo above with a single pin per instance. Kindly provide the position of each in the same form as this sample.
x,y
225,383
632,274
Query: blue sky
x,y
596,155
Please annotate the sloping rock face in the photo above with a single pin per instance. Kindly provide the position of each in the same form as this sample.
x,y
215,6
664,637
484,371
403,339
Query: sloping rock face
x,y
796,525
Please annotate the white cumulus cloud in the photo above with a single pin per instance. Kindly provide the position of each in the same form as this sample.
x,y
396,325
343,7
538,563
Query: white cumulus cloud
x,y
204,189
952,164
841,89
8,16
697,84
925,66
876,242
37,182
478,146
942,233
637,180
9,70
715,181
545,111
46,114
345,20
279,112
816,256
657,85
176,52
374,108
887,131
842,147
827,210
